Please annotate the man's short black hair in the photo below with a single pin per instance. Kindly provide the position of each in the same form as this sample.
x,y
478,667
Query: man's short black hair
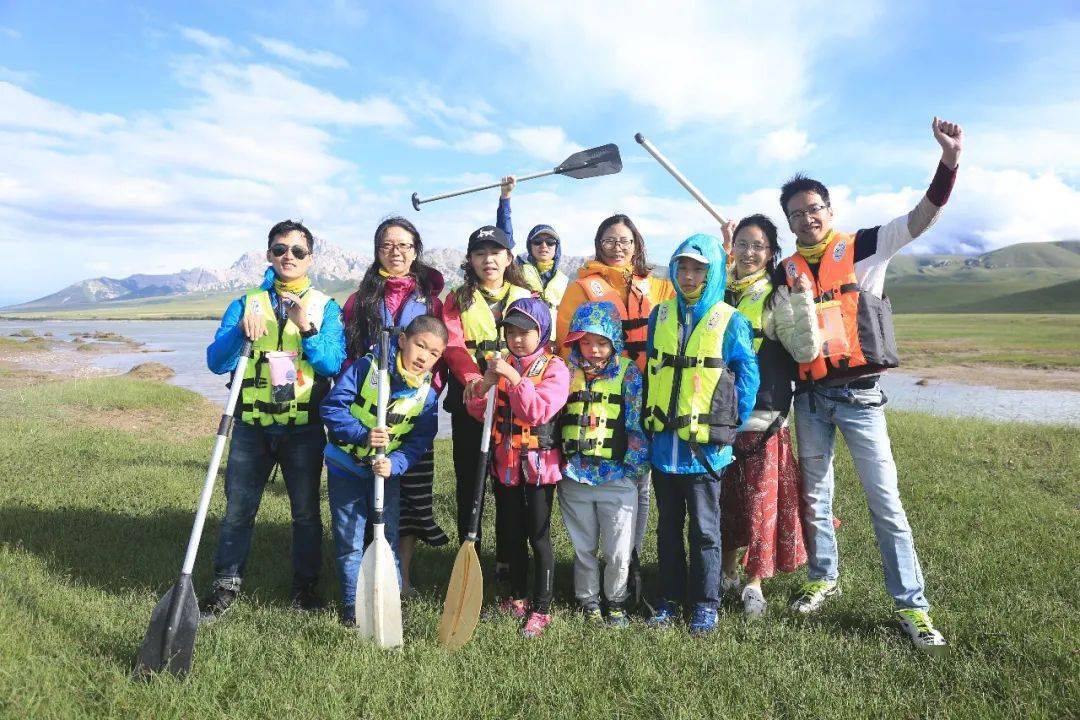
x,y
800,183
287,226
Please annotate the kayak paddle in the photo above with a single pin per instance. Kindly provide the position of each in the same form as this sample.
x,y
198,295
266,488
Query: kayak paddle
x,y
679,176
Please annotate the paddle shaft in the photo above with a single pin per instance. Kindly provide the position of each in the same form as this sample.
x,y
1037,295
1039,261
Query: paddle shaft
x,y
481,467
224,427
680,177
380,421
417,201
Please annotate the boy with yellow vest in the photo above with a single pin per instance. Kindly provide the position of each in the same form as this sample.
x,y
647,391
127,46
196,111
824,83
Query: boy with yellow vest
x,y
298,344
349,412
839,388
702,380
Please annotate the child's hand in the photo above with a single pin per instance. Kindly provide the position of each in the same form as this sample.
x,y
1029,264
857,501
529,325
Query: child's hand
x,y
381,467
502,368
378,438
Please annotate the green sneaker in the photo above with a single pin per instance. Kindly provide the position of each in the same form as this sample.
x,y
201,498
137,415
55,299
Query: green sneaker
x,y
813,594
592,614
617,618
918,625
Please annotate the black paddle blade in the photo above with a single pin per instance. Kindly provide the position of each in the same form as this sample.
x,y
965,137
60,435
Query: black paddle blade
x,y
170,640
594,162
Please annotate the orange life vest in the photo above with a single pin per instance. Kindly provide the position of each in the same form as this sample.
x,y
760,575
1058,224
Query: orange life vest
x,y
634,312
856,327
521,434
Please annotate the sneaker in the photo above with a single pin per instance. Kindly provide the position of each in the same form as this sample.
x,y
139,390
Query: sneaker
x,y
536,624
216,602
617,618
517,608
305,599
730,584
813,594
592,614
665,616
917,624
703,621
753,601
347,616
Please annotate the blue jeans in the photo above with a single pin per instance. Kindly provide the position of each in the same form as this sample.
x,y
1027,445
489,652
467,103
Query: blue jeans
x,y
253,453
351,498
699,497
861,420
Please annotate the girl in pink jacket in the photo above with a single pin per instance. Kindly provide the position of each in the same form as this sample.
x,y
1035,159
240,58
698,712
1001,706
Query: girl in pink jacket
x,y
532,388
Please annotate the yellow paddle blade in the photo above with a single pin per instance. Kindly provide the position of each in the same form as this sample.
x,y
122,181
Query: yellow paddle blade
x,y
461,611
378,595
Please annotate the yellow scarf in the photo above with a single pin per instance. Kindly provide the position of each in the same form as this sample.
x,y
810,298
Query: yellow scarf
x,y
544,266
294,286
495,295
739,286
413,380
382,271
694,295
813,253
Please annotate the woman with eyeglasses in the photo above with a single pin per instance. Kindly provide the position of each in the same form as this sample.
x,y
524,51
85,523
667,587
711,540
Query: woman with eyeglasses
x,y
760,500
397,287
620,274
540,264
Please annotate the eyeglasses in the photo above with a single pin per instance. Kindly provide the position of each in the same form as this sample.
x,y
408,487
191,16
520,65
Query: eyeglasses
x,y
537,242
400,247
750,247
298,251
807,212
612,243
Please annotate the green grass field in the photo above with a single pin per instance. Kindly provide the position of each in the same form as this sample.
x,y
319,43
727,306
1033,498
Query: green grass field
x,y
1046,341
101,478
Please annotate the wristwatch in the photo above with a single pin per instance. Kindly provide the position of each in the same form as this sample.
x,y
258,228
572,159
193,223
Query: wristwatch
x,y
311,331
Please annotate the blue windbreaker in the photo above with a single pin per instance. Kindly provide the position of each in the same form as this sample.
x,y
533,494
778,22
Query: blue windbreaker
x,y
668,452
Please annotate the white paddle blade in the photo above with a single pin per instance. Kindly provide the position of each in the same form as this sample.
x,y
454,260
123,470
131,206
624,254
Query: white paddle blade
x,y
378,595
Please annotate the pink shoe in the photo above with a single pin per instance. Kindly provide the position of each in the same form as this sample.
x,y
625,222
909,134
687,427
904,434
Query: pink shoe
x,y
536,624
517,608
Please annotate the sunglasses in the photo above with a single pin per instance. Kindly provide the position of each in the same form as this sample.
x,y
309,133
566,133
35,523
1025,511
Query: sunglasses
x,y
298,251
550,242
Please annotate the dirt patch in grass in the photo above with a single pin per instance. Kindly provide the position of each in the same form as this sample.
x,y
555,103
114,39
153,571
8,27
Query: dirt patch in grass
x,y
999,376
151,371
198,421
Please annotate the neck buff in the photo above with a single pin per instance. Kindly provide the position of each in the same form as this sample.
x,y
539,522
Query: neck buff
x,y
413,380
382,271
294,286
544,266
694,295
812,254
739,286
492,296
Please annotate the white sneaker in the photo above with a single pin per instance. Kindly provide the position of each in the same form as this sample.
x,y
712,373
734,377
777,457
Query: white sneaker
x,y
730,583
813,594
920,628
753,601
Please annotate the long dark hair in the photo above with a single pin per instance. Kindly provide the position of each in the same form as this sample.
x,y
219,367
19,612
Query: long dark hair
x,y
637,261
768,229
367,319
464,293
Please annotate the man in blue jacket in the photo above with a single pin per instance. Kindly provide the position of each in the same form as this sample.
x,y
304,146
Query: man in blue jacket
x,y
702,380
298,344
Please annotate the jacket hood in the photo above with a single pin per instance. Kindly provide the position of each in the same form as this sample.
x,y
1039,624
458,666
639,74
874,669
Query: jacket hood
x,y
599,318
715,280
437,282
616,277
538,310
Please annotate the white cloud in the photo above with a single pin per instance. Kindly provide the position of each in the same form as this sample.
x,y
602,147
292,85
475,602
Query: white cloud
x,y
23,110
425,102
17,77
784,145
427,142
211,43
287,51
481,143
11,33
546,142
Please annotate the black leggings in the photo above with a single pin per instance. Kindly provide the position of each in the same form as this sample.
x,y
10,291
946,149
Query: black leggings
x,y
467,434
524,512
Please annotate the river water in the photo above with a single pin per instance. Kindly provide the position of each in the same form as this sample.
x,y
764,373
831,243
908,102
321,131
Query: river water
x,y
181,344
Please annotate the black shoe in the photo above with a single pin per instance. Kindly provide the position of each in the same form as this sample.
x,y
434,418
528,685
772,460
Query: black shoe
x,y
216,602
306,599
347,615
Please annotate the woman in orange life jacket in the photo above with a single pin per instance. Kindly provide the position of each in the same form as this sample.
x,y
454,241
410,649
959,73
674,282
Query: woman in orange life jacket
x,y
533,385
619,273
760,497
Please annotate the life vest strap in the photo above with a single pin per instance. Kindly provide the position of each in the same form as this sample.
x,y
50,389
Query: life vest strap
x,y
572,447
635,346
634,323
681,421
591,396
842,290
685,361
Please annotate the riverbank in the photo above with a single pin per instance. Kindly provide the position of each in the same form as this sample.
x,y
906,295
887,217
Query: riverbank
x,y
94,516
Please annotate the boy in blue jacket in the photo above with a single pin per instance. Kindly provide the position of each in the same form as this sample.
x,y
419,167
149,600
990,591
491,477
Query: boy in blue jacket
x,y
349,412
702,380
298,344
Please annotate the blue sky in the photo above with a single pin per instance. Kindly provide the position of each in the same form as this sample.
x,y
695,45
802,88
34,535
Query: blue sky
x,y
145,138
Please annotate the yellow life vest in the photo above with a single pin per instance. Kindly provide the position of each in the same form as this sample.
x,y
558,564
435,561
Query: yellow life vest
x,y
257,405
482,334
752,305
401,412
690,389
594,419
552,292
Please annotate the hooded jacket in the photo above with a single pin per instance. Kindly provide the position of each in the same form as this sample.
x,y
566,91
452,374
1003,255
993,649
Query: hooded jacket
x,y
668,453
504,223
531,403
603,319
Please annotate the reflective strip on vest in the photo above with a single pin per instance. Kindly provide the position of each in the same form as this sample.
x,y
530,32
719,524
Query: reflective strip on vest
x,y
594,421
634,313
479,327
401,412
257,406
697,371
